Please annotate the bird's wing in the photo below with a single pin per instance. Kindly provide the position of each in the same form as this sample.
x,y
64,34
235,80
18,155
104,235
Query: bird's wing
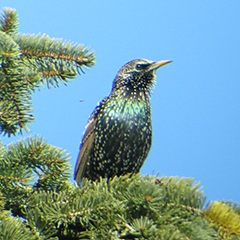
x,y
85,149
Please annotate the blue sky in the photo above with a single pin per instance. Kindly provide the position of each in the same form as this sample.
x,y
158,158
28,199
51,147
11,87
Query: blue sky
x,y
196,102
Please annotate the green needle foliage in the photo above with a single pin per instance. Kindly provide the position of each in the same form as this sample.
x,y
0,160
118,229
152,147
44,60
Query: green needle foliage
x,y
37,200
26,63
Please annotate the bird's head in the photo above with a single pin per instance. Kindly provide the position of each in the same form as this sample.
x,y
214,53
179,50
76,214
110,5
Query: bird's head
x,y
137,76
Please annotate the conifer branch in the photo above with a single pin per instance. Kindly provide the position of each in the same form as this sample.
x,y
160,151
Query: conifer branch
x,y
223,218
15,92
31,165
136,207
26,63
9,21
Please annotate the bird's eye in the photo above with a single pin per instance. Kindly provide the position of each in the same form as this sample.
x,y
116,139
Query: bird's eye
x,y
139,66
142,66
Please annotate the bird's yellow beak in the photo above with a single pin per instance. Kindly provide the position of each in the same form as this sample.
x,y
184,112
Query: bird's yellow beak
x,y
156,65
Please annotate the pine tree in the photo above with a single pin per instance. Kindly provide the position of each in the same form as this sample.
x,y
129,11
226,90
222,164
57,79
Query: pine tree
x,y
37,200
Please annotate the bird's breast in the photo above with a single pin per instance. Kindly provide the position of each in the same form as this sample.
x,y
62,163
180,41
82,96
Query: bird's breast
x,y
123,135
124,121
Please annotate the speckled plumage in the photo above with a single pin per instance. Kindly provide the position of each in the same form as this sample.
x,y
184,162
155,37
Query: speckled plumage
x,y
118,135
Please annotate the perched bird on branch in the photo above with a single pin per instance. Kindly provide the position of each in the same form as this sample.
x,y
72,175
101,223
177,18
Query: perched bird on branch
x,y
118,135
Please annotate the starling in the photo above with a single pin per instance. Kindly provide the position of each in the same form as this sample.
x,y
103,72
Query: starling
x,y
118,135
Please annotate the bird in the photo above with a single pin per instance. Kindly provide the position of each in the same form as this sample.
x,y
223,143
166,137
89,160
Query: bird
x,y
118,135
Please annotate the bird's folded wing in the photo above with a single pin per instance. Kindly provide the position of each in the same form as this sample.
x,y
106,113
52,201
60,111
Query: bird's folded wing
x,y
85,149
